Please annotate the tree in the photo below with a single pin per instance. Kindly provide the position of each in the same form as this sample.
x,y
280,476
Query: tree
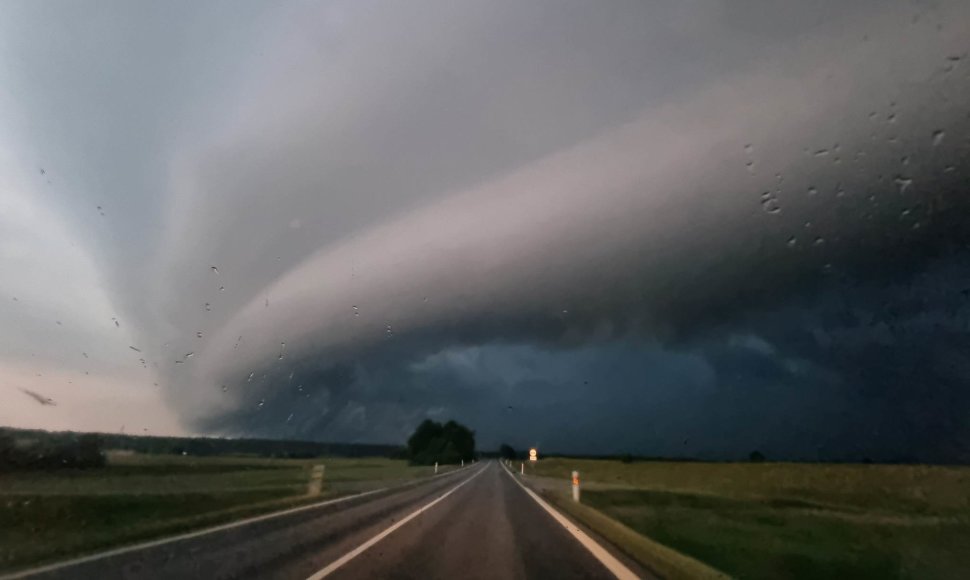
x,y
433,442
505,451
756,457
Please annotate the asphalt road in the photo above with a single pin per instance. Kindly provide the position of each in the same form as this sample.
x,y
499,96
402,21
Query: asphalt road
x,y
474,523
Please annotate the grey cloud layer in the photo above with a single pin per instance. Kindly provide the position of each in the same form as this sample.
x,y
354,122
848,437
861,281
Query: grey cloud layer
x,y
535,186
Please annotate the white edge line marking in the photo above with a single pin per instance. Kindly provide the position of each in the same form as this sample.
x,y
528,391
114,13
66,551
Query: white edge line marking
x,y
188,535
336,564
600,553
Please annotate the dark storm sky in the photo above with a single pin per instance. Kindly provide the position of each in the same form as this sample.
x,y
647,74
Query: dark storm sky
x,y
697,229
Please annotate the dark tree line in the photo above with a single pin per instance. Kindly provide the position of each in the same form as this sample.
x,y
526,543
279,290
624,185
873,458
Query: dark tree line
x,y
26,449
433,442
81,451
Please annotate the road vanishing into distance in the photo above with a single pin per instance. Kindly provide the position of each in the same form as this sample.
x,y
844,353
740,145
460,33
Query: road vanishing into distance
x,y
477,522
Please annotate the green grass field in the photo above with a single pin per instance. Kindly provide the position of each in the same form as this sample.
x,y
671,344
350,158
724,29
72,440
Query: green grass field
x,y
51,515
787,520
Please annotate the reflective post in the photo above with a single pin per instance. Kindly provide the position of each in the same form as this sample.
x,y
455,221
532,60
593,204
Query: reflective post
x,y
316,480
436,467
522,468
576,486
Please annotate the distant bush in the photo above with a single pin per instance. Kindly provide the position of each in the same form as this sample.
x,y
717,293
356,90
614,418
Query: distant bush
x,y
626,458
756,457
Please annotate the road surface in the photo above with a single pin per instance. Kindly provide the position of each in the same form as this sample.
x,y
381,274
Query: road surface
x,y
474,523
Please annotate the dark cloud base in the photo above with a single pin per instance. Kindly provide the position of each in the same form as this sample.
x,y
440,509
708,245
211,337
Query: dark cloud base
x,y
853,368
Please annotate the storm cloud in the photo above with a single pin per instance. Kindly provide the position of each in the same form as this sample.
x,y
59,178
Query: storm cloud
x,y
692,230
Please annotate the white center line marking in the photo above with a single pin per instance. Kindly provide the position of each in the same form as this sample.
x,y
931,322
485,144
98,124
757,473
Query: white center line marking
x,y
332,567
605,558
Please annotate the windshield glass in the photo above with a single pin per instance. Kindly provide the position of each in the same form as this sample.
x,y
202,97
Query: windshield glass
x,y
712,256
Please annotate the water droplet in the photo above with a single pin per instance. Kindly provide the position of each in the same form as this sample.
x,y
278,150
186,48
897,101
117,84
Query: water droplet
x,y
916,225
749,148
222,288
938,137
208,307
288,419
891,118
85,354
214,270
904,213
224,388
904,160
949,169
282,349
565,312
356,312
251,375
178,362
953,58
117,324
135,349
43,171
299,388
749,166
819,240
839,190
821,152
260,404
58,322
792,241
189,355
769,203
198,334
267,303
903,182
812,190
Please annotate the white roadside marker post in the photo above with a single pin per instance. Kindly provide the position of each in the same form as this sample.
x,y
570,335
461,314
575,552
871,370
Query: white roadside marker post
x,y
576,486
463,463
316,480
436,468
522,468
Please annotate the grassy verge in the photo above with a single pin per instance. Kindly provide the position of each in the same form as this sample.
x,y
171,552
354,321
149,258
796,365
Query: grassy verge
x,y
48,516
666,562
784,520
